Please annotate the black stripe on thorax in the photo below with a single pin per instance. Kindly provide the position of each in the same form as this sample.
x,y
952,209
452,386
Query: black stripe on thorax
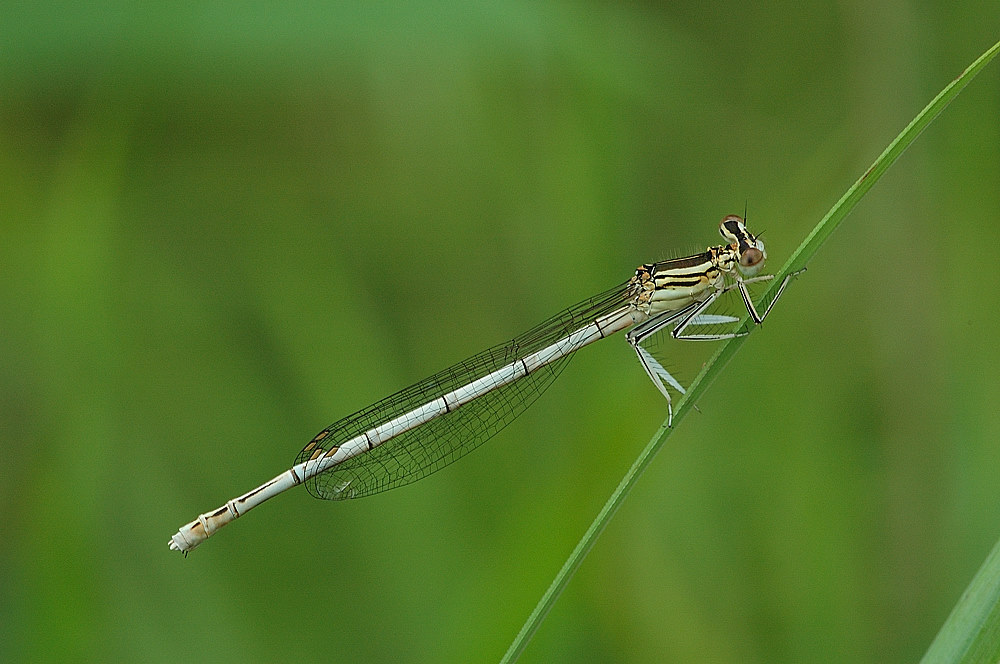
x,y
689,282
698,262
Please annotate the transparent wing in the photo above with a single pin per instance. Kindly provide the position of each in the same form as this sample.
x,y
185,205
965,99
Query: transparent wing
x,y
419,452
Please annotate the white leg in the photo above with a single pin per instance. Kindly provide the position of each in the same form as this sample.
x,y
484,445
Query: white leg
x,y
690,316
658,374
678,331
656,323
781,289
758,318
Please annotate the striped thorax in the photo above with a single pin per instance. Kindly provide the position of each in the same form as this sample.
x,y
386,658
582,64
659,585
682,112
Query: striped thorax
x,y
674,284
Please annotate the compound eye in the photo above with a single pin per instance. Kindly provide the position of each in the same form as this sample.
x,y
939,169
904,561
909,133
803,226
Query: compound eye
x,y
752,257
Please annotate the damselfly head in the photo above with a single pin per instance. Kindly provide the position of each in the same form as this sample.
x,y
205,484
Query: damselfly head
x,y
749,248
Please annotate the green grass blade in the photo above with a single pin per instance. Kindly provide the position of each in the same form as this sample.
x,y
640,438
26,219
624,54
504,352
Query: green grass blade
x,y
972,632
984,601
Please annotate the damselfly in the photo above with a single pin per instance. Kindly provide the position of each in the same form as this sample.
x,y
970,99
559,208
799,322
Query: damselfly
x,y
423,428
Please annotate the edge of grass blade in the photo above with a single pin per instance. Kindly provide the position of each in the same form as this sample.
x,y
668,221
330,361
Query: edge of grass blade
x,y
982,601
971,634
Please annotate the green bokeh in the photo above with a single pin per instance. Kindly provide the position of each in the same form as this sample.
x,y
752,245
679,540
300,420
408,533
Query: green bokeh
x,y
222,228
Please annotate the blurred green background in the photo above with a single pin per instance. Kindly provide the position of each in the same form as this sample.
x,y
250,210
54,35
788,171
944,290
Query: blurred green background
x,y
224,226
